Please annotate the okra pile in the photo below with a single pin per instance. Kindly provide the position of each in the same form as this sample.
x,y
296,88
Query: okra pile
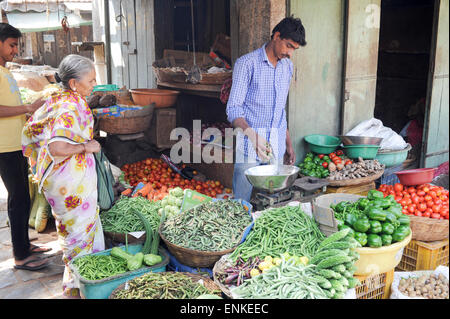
x,y
212,226
165,285
279,230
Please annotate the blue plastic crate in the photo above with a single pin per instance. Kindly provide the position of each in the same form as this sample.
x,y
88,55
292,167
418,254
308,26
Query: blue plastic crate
x,y
102,289
175,265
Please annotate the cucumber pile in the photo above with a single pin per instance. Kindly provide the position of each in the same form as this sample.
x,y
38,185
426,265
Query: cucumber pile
x,y
334,260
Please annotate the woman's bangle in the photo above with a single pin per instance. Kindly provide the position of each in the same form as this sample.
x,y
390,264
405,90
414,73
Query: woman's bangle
x,y
84,148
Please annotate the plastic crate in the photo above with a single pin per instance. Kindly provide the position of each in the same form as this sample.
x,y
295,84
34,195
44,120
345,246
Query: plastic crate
x,y
101,289
375,287
421,255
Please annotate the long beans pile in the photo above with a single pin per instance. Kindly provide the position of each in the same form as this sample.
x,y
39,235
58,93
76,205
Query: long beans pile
x,y
212,226
121,219
97,267
163,286
280,230
286,281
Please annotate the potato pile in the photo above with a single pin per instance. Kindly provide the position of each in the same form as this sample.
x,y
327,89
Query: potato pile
x,y
426,286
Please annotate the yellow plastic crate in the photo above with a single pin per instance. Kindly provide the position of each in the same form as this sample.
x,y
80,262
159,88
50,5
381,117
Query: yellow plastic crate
x,y
421,255
375,286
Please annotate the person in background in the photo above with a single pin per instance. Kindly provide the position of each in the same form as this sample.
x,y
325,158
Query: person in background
x,y
257,101
13,166
58,139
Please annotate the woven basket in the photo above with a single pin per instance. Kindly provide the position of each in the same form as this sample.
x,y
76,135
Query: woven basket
x,y
218,268
429,229
130,122
205,281
195,258
357,181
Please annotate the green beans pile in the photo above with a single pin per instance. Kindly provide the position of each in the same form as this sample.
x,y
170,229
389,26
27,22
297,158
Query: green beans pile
x,y
96,267
121,219
212,226
280,230
286,281
162,286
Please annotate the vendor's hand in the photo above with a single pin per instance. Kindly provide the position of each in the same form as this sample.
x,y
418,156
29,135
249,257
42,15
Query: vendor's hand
x,y
289,156
262,147
31,108
92,147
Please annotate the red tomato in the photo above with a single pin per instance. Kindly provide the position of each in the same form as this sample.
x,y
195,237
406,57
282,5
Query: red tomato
x,y
436,216
403,202
339,152
421,193
436,208
411,209
418,213
422,207
421,199
398,199
415,200
433,194
426,214
430,203
398,187
411,190
325,164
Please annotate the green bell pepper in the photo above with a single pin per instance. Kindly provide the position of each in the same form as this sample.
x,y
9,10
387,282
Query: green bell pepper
x,y
390,217
404,220
381,203
361,238
361,225
386,239
401,233
376,214
375,227
363,203
396,210
350,219
374,194
387,228
343,226
374,241
391,199
340,206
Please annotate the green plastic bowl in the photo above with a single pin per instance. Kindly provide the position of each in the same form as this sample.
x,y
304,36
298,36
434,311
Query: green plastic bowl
x,y
364,151
393,158
322,144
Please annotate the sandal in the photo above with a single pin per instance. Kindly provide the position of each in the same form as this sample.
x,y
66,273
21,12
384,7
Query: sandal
x,y
38,249
31,268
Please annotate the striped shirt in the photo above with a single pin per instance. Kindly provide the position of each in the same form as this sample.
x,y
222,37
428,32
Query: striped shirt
x,y
258,94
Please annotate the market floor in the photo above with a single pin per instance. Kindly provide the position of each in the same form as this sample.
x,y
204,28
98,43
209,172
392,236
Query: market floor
x,y
45,283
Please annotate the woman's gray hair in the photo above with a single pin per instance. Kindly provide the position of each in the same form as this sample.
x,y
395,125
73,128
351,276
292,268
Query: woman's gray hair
x,y
73,66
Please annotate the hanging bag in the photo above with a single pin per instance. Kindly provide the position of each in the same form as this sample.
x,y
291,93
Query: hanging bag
x,y
105,181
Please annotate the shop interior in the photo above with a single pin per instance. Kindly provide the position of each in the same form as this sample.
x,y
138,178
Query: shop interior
x,y
403,67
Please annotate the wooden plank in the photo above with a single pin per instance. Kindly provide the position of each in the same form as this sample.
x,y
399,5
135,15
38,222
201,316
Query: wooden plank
x,y
436,131
361,61
151,53
129,49
315,93
142,32
117,58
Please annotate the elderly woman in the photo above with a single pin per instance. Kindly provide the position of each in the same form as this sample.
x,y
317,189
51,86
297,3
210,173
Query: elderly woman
x,y
58,140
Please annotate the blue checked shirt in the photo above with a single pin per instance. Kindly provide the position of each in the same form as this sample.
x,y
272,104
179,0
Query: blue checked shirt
x,y
258,94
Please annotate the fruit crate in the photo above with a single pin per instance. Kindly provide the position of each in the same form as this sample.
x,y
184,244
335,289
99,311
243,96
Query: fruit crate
x,y
421,255
375,286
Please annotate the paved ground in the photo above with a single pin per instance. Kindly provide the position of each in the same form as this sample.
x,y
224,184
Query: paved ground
x,y
22,284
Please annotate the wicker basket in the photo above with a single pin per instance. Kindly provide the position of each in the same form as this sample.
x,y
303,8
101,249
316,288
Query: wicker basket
x,y
205,281
195,258
130,122
219,267
429,229
357,181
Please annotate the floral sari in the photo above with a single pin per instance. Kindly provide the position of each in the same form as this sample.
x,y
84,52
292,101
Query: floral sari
x,y
69,184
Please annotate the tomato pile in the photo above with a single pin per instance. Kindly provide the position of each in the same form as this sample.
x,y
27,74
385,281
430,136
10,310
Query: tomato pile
x,y
157,172
424,200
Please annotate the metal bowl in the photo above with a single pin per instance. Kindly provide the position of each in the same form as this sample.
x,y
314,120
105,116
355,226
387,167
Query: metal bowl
x,y
272,178
360,140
